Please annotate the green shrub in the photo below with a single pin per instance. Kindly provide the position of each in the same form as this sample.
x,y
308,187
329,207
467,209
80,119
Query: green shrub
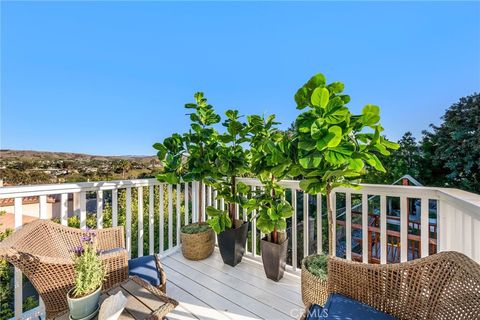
x,y
196,228
317,265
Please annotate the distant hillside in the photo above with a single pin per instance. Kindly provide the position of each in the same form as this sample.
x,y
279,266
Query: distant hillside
x,y
33,167
47,155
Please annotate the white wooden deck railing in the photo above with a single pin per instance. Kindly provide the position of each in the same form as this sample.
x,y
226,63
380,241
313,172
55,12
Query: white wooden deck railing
x,y
455,226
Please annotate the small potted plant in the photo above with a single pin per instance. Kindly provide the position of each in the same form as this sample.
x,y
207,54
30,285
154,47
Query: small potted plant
x,y
334,150
271,161
83,299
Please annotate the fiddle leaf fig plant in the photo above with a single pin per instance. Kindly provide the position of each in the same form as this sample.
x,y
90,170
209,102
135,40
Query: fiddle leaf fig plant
x,y
231,161
271,160
334,145
189,156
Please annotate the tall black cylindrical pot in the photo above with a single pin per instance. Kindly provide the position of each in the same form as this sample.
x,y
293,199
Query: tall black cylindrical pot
x,y
231,243
274,258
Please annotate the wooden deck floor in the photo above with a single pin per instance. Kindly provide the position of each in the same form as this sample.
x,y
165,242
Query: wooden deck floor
x,y
211,290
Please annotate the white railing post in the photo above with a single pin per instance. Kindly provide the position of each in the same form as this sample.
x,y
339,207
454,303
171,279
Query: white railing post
x,y
186,203
294,229
151,222
128,218
348,225
64,208
425,227
178,213
114,207
365,233
161,222
254,229
99,209
43,207
140,221
319,224
83,210
383,229
170,217
403,229
18,283
333,202
306,227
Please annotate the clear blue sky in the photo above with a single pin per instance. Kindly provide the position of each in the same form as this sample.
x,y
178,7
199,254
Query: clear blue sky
x,y
112,77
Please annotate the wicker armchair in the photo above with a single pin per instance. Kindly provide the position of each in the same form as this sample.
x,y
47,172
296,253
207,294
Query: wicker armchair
x,y
41,250
441,286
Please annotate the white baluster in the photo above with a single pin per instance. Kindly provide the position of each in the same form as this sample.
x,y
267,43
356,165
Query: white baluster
x,y
170,217
114,207
294,229
365,234
18,285
64,208
348,225
128,217
140,221
83,210
186,203
178,221
161,222
151,221
99,209
319,224
383,229
333,197
403,229
306,227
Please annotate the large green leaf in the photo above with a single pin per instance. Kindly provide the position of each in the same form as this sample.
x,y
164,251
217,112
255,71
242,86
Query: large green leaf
x,y
331,139
339,154
320,97
370,114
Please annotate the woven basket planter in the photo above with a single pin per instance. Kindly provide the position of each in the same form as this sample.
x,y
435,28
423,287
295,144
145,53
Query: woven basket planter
x,y
198,246
314,289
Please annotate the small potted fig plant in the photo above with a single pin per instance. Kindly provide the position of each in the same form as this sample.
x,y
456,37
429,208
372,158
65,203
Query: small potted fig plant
x,y
189,158
271,161
231,161
83,299
334,150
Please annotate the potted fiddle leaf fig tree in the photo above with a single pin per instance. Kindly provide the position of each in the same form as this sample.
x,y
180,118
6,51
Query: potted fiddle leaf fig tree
x,y
335,148
271,161
188,157
231,162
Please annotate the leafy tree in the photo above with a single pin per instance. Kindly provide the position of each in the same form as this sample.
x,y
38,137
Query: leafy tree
x,y
231,161
452,150
190,157
271,161
333,147
407,159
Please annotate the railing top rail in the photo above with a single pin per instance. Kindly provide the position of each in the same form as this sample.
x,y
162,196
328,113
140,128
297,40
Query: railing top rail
x,y
46,189
468,201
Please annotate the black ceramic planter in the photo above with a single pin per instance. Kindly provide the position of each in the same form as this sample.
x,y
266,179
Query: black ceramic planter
x,y
231,243
274,258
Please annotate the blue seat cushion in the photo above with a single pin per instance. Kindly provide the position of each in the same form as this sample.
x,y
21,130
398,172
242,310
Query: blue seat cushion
x,y
146,268
339,307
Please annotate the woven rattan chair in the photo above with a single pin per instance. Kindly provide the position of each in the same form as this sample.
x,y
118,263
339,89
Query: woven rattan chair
x,y
42,251
441,286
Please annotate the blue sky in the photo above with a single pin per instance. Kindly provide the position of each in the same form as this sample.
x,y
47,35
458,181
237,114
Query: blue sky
x,y
112,77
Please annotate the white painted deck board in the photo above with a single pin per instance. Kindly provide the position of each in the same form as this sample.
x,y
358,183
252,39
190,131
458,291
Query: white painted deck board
x,y
210,290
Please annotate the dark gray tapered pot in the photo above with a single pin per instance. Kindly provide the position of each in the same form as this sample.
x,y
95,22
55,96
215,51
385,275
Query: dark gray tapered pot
x,y
231,243
274,258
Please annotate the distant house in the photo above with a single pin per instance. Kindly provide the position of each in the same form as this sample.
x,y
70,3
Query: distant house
x,y
30,208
